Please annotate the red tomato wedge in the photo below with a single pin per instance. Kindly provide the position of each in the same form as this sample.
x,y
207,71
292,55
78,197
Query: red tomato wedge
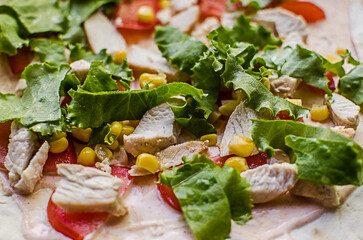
x,y
123,173
78,225
257,160
74,225
212,8
126,15
19,61
168,196
4,141
309,11
68,156
220,160
283,115
331,85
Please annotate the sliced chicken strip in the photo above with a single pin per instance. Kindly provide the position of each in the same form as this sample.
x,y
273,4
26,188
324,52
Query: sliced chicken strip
x,y
343,111
186,19
347,132
80,68
178,5
270,181
329,196
283,21
150,61
284,86
101,34
157,130
86,189
238,124
202,30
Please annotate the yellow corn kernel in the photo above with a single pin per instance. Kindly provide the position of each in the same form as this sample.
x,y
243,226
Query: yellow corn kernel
x,y
238,163
241,146
319,113
238,95
266,82
228,107
87,157
332,59
127,130
114,145
82,134
341,51
102,152
213,117
132,123
164,4
58,135
295,101
212,139
154,80
145,14
116,128
148,162
119,57
59,145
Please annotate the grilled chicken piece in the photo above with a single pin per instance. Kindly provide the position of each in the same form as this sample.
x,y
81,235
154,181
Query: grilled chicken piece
x,y
283,86
270,181
343,111
292,39
229,18
347,132
281,21
86,189
164,16
157,130
329,196
24,169
186,19
80,68
202,30
178,5
172,156
279,157
238,124
101,34
148,60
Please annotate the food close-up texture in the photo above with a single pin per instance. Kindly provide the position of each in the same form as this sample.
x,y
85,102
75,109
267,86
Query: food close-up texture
x,y
181,119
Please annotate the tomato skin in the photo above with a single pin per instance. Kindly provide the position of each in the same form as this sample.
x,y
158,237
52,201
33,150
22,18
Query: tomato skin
x,y
19,61
74,225
68,156
257,160
78,224
309,11
212,8
126,15
283,115
220,160
168,196
331,85
4,142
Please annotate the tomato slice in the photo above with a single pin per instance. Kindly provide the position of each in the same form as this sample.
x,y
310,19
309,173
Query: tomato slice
x,y
4,142
20,61
212,8
78,225
126,15
257,160
307,10
283,115
168,196
331,85
68,156
74,225
220,160
123,173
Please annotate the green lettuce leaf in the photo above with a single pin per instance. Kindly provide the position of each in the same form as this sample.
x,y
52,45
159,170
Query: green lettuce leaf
x,y
326,161
93,110
351,85
49,50
243,31
102,135
322,145
40,101
38,16
209,196
99,79
258,96
10,40
179,48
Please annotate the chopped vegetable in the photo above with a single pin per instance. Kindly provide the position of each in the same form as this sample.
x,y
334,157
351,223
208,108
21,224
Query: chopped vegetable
x,y
148,162
308,10
87,157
